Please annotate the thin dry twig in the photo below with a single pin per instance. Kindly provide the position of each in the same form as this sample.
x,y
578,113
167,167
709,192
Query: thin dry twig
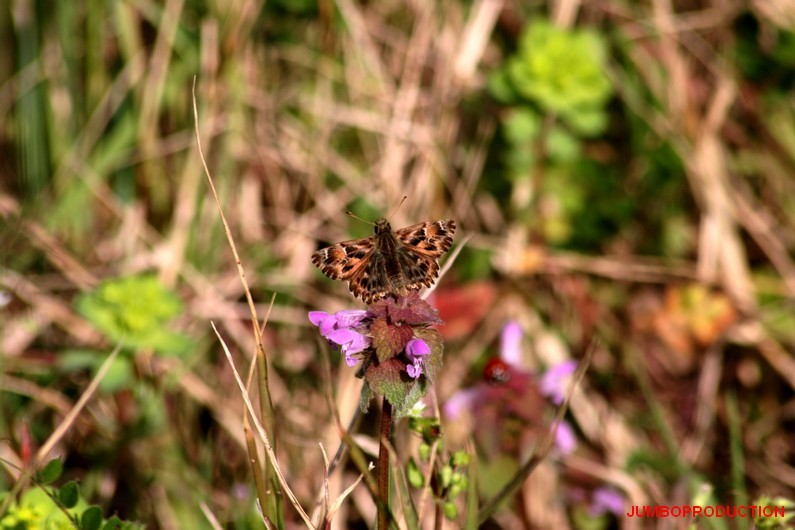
x,y
262,434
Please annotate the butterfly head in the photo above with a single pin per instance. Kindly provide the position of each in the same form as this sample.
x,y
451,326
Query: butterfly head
x,y
381,226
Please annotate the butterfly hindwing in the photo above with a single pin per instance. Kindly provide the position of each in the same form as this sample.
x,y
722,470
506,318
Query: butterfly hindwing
x,y
431,238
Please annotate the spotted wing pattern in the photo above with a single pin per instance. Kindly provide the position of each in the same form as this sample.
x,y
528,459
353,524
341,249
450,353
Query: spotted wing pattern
x,y
345,259
390,263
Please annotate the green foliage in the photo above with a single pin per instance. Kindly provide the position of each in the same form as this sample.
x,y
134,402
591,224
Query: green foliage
x,y
388,339
414,474
494,474
450,477
134,311
91,518
58,509
394,325
120,373
776,522
390,380
51,471
69,494
771,64
562,72
665,466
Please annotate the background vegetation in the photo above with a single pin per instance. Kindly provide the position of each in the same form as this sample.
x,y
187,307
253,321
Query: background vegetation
x,y
620,170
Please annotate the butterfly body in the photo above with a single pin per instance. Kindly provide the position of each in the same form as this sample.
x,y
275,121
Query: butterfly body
x,y
389,263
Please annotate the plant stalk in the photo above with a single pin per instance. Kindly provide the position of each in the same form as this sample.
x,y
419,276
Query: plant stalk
x,y
383,465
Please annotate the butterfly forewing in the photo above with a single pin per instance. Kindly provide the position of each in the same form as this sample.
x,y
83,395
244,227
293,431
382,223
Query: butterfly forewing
x,y
343,260
431,238
390,263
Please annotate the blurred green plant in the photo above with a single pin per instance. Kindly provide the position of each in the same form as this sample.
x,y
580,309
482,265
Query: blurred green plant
x,y
57,508
135,312
449,478
560,71
775,522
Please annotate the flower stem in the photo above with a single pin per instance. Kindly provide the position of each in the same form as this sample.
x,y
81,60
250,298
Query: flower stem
x,y
383,465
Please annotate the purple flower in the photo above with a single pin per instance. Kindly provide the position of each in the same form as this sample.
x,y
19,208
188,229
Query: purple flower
x,y
416,349
351,342
460,401
511,343
606,499
323,321
341,328
348,318
553,382
565,439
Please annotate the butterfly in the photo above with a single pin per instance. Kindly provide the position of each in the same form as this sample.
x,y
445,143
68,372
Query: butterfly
x,y
389,263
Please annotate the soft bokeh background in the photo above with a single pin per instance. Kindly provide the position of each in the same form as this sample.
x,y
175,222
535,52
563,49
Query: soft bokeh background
x,y
620,170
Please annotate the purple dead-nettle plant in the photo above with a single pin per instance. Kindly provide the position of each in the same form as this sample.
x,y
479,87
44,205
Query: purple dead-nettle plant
x,y
398,351
346,329
555,380
509,391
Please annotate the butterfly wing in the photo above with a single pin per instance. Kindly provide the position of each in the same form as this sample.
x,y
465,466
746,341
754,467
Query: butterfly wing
x,y
423,244
344,260
394,273
431,238
403,261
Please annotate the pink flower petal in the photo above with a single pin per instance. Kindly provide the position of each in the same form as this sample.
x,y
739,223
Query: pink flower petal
x,y
511,344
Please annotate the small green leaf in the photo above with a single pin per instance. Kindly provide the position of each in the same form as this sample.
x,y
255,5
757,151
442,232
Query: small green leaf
x,y
588,121
450,511
446,476
120,376
91,518
562,146
521,126
460,458
424,451
414,474
114,523
76,360
501,88
51,471
68,494
364,399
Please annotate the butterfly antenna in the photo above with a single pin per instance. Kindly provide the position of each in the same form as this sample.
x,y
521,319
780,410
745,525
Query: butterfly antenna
x,y
397,207
350,213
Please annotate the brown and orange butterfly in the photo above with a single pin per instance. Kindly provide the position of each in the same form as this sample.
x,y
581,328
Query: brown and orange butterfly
x,y
389,263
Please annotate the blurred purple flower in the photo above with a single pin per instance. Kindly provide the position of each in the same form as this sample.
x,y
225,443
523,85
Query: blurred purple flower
x,y
606,499
459,402
240,491
511,343
497,370
553,382
416,349
565,439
